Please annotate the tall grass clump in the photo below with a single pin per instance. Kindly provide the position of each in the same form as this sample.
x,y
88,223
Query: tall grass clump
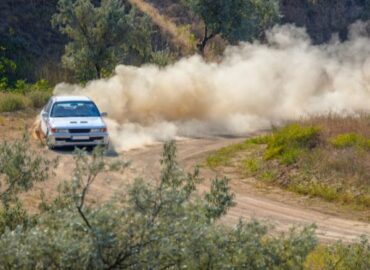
x,y
38,98
10,102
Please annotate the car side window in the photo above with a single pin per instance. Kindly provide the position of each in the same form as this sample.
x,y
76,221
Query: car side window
x,y
48,106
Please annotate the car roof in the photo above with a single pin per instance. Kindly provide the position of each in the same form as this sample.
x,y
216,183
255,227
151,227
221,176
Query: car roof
x,y
70,98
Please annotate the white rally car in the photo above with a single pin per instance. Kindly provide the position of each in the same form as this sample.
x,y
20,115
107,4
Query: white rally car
x,y
73,121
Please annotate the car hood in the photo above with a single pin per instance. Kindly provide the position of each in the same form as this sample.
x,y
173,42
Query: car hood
x,y
76,122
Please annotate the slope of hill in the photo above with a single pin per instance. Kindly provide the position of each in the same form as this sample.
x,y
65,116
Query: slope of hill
x,y
29,39
26,32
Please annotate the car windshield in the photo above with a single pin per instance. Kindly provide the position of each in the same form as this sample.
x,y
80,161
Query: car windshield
x,y
75,109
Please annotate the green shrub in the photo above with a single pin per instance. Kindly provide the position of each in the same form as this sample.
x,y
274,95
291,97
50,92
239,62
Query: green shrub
x,y
350,140
12,217
21,86
167,225
252,165
162,58
340,256
288,143
38,98
20,168
10,102
259,140
41,85
316,189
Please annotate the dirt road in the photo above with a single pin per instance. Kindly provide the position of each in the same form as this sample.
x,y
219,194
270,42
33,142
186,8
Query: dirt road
x,y
279,208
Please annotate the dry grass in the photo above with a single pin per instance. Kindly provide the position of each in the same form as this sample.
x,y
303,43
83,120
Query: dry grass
x,y
335,166
180,36
333,124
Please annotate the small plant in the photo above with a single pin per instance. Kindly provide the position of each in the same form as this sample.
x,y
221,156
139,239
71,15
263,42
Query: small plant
x,y
316,189
252,165
223,156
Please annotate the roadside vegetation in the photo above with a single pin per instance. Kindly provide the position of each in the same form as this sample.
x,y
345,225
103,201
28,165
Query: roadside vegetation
x,y
325,157
24,95
166,224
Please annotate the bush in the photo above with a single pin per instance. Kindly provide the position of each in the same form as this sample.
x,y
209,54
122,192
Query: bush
x,y
350,140
340,256
38,98
41,85
12,217
288,143
166,225
13,102
20,169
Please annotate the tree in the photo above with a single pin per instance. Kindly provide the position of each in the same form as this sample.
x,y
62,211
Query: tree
x,y
234,20
100,35
7,67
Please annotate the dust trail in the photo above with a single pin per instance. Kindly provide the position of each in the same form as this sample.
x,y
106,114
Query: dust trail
x,y
254,86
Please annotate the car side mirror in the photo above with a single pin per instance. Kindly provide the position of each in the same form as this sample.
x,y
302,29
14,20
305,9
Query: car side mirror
x,y
104,114
44,115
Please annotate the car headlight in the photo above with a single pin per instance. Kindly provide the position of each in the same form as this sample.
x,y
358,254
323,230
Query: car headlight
x,y
95,130
57,130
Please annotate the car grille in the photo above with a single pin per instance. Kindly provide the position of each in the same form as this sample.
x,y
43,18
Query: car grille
x,y
79,130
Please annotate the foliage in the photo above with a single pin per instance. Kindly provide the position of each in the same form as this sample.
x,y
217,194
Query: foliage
x,y
325,157
150,226
340,256
162,58
20,169
24,95
13,216
7,66
39,98
350,140
10,102
101,36
236,20
287,143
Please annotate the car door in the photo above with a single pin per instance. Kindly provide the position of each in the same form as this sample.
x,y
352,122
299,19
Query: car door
x,y
44,116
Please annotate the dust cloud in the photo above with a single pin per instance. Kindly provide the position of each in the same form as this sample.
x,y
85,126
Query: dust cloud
x,y
253,87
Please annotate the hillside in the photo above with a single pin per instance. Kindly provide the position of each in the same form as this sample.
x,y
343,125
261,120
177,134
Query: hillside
x,y
29,39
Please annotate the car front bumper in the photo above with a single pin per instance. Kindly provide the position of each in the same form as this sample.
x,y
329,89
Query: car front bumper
x,y
77,139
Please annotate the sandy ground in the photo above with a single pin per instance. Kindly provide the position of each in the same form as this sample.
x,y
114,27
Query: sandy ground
x,y
276,207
